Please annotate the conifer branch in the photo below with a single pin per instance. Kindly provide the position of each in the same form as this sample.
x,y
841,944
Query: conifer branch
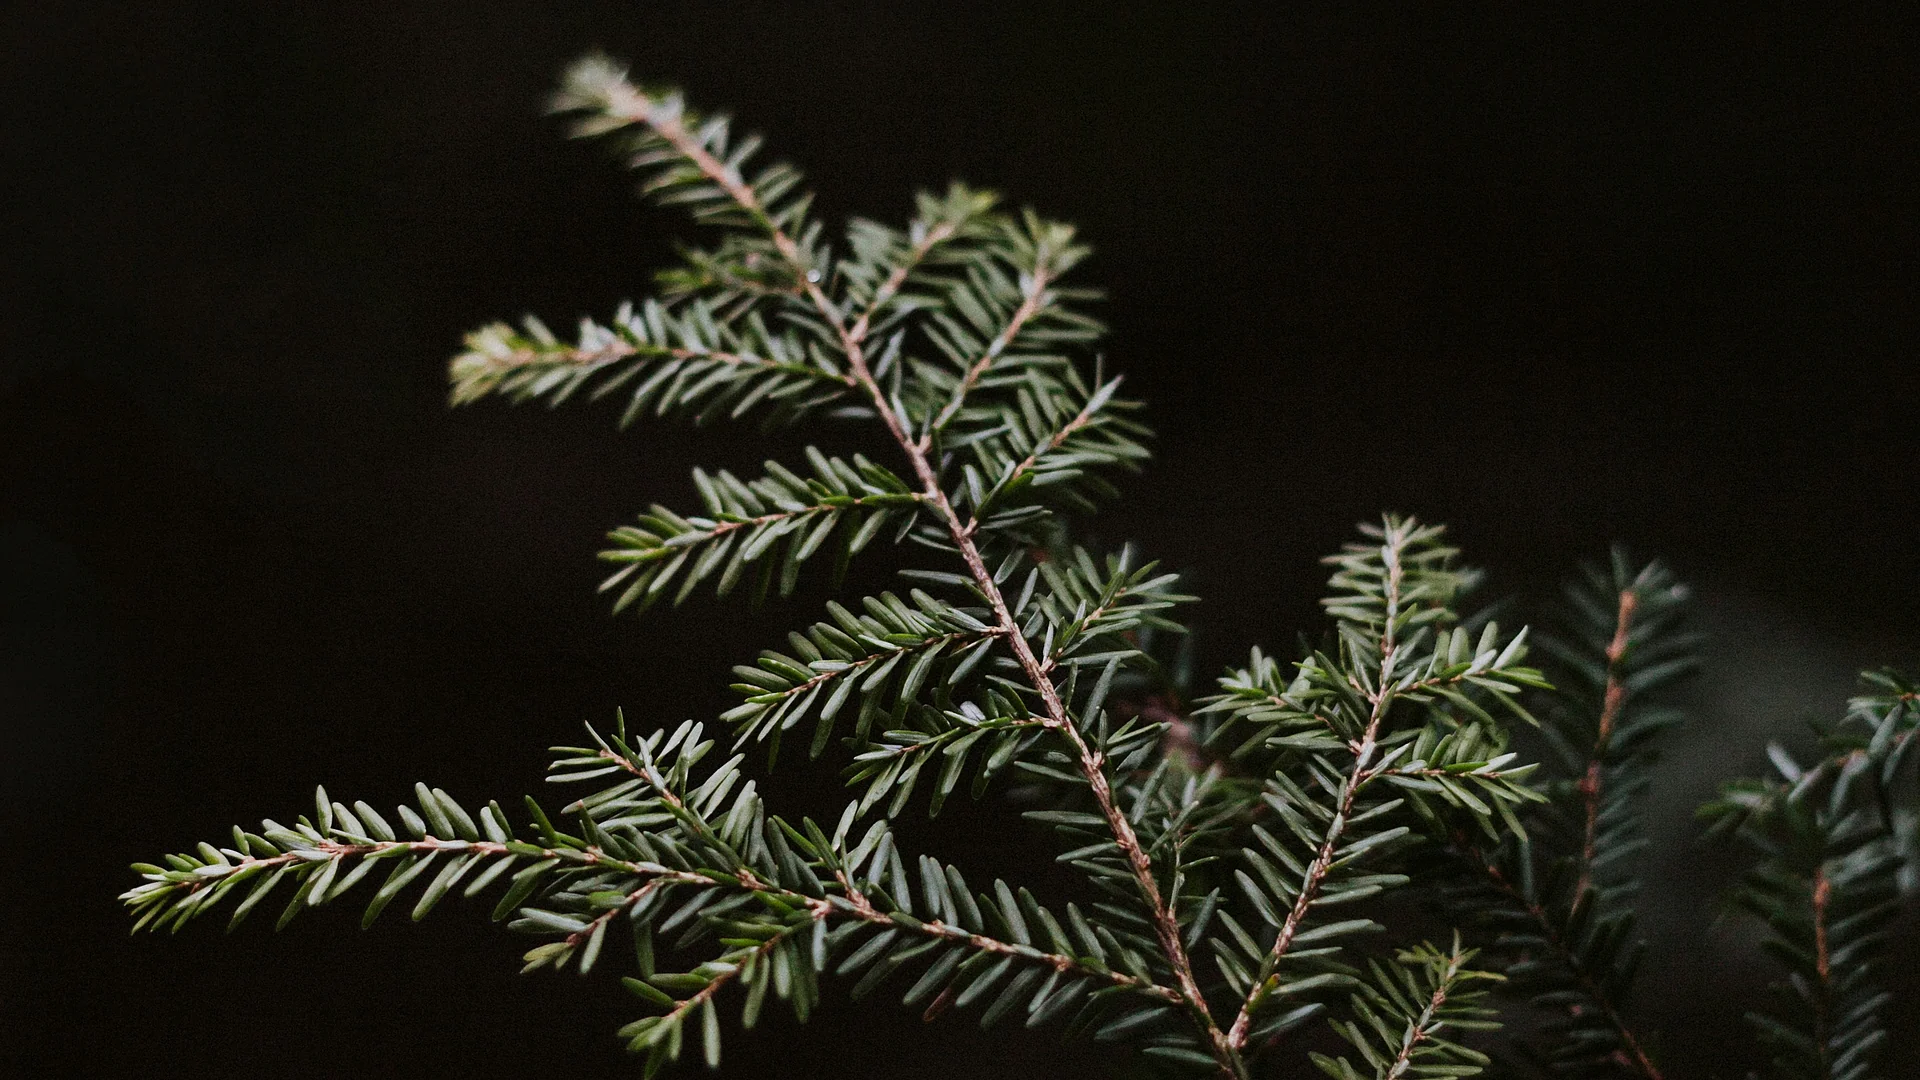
x,y
938,234
635,107
495,353
1422,1028
689,357
1631,1055
1092,768
625,103
1827,881
1559,893
1232,828
1059,438
1379,697
1034,291
778,520
1406,1016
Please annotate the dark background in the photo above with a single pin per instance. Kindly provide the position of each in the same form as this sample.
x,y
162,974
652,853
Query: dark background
x,y
1556,279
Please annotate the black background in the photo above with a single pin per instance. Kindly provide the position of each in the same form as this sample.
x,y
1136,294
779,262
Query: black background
x,y
1555,279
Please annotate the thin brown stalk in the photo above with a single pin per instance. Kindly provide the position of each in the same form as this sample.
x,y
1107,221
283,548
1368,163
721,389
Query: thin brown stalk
x,y
1065,964
1611,702
620,350
1822,895
1418,1032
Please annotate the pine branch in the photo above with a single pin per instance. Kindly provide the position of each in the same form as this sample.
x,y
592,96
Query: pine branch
x,y
1033,295
1557,891
314,853
622,102
780,520
1309,890
1091,766
1828,881
1595,993
668,848
1388,597
1058,439
600,91
1235,828
959,216
1405,1010
1311,882
891,660
1044,448
900,757
688,358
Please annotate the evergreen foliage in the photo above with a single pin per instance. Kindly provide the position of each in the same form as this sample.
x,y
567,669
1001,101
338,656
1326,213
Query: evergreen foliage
x,y
1834,846
1248,862
1557,896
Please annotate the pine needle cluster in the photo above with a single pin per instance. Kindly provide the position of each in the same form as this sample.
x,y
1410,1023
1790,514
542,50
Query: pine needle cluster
x,y
1249,860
